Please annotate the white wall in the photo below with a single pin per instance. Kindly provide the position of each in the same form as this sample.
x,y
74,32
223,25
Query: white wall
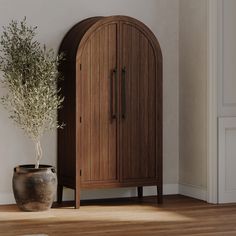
x,y
54,18
193,97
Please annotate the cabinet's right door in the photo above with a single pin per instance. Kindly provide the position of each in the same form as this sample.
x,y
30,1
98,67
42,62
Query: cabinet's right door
x,y
140,108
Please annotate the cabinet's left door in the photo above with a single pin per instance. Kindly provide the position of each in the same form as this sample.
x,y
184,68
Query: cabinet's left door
x,y
98,104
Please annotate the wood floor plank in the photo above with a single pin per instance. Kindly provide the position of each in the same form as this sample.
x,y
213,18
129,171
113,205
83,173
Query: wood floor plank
x,y
177,216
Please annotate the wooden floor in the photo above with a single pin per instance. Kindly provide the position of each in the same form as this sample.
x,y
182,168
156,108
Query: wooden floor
x,y
177,216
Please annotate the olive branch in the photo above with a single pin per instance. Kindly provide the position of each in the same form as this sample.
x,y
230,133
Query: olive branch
x,y
30,76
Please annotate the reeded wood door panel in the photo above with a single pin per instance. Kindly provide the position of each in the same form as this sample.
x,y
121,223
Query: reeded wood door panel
x,y
98,130
138,106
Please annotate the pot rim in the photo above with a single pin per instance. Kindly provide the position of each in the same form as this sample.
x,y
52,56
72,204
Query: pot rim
x,y
31,168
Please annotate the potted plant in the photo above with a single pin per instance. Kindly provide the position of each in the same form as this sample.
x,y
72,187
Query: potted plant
x,y
30,76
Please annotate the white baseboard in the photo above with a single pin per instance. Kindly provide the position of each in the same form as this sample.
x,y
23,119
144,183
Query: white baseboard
x,y
168,189
193,191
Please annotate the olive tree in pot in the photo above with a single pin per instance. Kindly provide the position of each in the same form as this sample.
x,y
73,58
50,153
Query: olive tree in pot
x,y
30,76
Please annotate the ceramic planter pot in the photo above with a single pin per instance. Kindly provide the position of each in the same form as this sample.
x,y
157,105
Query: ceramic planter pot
x,y
34,189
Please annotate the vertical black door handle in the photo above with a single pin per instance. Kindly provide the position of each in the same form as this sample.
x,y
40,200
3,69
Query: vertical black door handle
x,y
123,93
115,75
113,110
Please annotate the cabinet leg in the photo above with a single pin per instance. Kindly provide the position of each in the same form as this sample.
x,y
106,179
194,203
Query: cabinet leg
x,y
159,195
140,192
59,193
77,198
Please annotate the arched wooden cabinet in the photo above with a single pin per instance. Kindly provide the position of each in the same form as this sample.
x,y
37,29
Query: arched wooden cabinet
x,y
113,107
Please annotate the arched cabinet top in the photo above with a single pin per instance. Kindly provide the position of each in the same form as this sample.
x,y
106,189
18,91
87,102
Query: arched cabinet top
x,y
75,40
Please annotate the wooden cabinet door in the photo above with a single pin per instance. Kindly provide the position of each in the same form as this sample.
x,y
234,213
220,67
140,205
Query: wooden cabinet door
x,y
98,82
138,106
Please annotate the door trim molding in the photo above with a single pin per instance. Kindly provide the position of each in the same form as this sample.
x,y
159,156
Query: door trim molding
x,y
227,191
212,155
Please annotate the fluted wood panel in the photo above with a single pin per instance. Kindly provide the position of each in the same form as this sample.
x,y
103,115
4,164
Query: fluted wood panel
x,y
138,126
99,59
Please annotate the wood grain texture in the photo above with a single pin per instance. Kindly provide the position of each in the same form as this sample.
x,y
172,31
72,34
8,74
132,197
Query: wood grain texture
x,y
99,132
67,165
113,164
94,95
177,216
113,133
104,103
86,114
138,127
152,116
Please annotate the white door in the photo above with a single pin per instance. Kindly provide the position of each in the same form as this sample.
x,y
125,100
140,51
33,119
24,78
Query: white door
x,y
227,160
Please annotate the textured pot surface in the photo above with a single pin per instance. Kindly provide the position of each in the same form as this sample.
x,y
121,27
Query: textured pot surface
x,y
34,189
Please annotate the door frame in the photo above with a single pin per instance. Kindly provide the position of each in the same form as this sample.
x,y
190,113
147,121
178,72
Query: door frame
x,y
212,105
